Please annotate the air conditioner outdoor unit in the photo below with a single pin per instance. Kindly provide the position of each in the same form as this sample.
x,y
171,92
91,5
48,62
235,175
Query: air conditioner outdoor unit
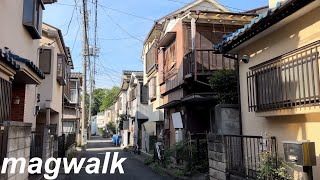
x,y
49,1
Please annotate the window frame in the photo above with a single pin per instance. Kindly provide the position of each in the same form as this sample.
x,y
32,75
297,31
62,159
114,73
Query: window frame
x,y
33,20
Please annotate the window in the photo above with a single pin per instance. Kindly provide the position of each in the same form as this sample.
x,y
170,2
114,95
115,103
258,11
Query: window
x,y
45,61
120,103
151,58
170,59
73,96
133,94
290,80
32,17
144,94
61,68
152,89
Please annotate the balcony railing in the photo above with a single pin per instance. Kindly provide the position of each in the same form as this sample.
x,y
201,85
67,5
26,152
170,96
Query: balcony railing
x,y
290,80
204,62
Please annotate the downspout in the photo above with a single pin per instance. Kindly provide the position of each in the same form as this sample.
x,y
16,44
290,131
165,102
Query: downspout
x,y
239,96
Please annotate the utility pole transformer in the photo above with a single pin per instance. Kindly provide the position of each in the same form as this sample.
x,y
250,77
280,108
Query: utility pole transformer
x,y
84,77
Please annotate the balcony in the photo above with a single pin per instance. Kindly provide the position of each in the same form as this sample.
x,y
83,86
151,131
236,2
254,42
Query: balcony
x,y
202,62
288,81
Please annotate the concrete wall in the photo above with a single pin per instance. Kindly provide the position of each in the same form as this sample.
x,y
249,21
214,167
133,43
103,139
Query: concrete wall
x,y
19,142
227,120
287,124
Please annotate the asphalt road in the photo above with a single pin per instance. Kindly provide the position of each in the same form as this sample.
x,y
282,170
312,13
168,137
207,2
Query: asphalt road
x,y
133,168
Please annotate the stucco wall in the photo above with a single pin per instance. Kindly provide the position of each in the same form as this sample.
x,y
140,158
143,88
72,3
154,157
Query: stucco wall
x,y
17,38
284,124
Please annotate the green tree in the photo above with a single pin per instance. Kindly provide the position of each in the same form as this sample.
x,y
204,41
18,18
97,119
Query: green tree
x,y
111,126
224,84
102,99
110,96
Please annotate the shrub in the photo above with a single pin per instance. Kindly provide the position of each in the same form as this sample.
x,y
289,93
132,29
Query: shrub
x,y
225,85
272,167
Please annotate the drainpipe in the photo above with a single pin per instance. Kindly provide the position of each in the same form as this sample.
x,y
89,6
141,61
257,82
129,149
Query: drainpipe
x,y
239,96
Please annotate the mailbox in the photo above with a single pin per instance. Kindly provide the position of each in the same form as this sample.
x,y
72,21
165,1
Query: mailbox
x,y
300,153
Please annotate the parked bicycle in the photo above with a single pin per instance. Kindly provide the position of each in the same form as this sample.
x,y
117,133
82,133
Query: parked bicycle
x,y
159,153
137,150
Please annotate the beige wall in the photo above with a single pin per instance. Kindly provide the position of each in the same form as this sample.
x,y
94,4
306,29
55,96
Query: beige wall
x,y
292,124
50,90
17,38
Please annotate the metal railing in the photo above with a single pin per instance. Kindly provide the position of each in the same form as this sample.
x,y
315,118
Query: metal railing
x,y
3,142
204,61
244,153
36,148
290,80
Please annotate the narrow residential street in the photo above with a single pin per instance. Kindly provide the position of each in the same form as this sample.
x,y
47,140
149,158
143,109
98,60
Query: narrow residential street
x,y
133,168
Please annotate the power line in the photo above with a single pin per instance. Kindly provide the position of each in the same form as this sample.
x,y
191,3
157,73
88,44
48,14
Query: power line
x,y
145,18
121,38
107,72
113,9
120,26
74,8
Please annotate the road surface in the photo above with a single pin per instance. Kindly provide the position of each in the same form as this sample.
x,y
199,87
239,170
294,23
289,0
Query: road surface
x,y
133,168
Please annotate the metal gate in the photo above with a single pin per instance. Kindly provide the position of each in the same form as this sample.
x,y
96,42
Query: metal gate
x,y
244,154
5,112
61,146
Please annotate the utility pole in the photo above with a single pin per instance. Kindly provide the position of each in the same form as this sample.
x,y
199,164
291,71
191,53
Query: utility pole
x,y
94,53
84,77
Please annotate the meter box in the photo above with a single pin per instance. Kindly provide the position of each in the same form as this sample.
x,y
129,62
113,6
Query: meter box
x,y
301,153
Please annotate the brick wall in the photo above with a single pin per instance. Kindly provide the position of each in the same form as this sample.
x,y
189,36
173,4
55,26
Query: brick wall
x,y
17,110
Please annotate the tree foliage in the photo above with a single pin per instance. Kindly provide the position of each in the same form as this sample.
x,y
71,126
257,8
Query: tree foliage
x,y
103,99
224,84
111,126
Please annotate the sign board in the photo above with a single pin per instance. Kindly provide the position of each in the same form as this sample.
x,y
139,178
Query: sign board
x,y
177,120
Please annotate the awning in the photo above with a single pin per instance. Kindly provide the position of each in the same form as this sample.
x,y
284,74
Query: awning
x,y
170,104
167,39
7,66
199,97
28,72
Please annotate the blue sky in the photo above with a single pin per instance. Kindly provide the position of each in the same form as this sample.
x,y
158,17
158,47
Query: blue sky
x,y
118,49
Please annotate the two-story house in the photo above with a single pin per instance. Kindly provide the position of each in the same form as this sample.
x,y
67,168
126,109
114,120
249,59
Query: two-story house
x,y
71,107
121,108
56,63
279,76
186,60
19,78
137,107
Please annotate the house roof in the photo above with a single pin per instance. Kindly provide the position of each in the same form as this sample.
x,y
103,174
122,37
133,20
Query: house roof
x,y
138,75
65,48
9,61
271,17
182,10
29,63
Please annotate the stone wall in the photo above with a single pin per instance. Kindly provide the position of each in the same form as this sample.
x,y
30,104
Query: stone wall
x,y
50,145
19,142
217,157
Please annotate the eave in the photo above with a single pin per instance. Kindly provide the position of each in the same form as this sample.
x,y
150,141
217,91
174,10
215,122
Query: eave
x,y
264,22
